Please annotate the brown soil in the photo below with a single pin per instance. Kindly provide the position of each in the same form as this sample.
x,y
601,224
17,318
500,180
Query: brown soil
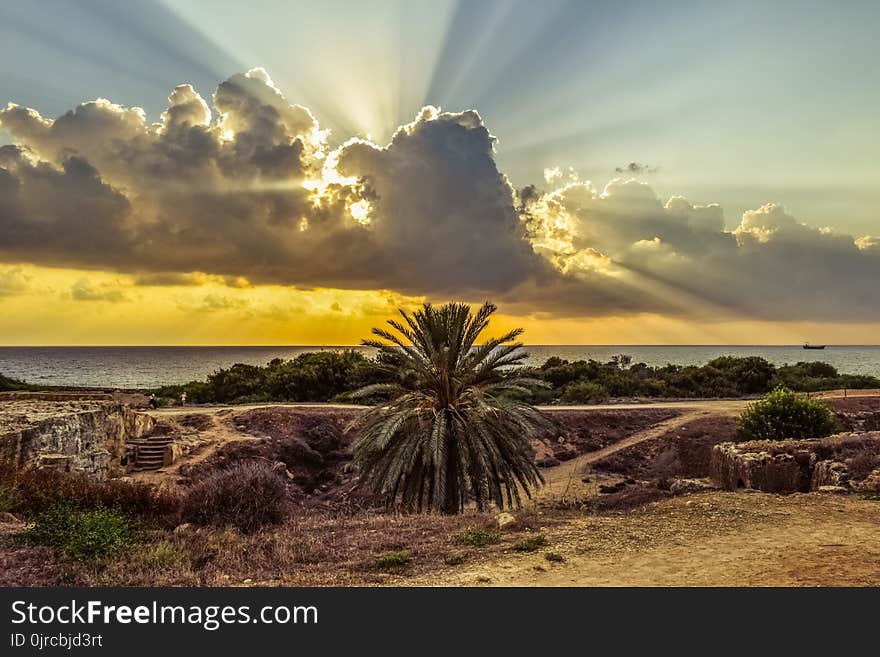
x,y
571,483
313,444
584,431
682,451
710,539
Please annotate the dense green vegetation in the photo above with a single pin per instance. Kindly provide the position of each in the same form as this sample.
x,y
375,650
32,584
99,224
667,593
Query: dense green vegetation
x,y
83,534
13,384
332,376
452,428
784,414
313,376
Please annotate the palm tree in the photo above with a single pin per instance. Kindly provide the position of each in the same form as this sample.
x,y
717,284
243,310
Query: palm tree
x,y
449,434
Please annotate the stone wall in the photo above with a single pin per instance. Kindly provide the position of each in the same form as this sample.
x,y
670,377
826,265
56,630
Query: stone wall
x,y
788,466
71,434
734,466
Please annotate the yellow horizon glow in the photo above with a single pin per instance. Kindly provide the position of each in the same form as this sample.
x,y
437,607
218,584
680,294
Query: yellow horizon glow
x,y
73,307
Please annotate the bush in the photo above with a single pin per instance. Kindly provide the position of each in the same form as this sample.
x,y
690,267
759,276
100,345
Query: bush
x,y
248,495
14,384
83,534
584,392
530,543
785,414
31,491
455,559
393,560
478,537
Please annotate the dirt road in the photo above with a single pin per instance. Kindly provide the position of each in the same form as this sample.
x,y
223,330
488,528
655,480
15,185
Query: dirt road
x,y
564,480
711,539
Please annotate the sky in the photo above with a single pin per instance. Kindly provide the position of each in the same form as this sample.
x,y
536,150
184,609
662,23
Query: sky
x,y
181,172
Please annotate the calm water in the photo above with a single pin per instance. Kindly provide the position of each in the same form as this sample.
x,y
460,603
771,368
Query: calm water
x,y
143,367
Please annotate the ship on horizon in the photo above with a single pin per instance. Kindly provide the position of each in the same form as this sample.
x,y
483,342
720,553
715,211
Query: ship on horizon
x,y
807,345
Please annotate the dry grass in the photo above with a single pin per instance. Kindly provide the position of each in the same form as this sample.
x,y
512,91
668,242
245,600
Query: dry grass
x,y
311,549
28,492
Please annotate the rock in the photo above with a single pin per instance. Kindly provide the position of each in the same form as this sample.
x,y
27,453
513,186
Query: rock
x,y
180,529
753,465
829,474
171,453
685,486
833,489
505,520
870,484
70,432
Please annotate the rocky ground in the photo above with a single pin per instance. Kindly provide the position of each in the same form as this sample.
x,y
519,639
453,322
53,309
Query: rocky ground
x,y
627,502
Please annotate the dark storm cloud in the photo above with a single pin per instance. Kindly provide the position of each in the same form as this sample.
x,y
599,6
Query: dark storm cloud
x,y
249,192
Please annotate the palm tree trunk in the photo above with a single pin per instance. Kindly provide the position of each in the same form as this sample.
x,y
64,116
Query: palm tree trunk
x,y
452,499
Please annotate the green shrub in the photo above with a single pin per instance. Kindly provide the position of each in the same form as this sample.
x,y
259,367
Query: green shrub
x,y
393,560
785,414
14,384
584,392
248,495
531,543
478,537
83,534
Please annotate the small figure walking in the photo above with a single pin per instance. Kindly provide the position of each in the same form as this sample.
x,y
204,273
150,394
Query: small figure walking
x,y
183,398
154,403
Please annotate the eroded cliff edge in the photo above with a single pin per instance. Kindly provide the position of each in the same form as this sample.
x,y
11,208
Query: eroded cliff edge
x,y
74,433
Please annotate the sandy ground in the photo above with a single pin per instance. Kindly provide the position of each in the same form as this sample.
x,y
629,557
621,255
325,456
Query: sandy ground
x,y
710,539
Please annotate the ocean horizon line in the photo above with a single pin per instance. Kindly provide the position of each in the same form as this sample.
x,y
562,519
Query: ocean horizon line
x,y
353,346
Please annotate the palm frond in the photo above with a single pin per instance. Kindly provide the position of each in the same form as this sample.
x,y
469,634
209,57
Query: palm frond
x,y
449,437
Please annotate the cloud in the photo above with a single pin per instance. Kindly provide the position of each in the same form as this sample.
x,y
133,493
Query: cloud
x,y
636,168
868,242
679,258
245,189
83,290
13,281
188,279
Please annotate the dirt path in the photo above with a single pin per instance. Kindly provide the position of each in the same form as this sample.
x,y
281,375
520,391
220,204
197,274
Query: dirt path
x,y
564,481
712,539
221,431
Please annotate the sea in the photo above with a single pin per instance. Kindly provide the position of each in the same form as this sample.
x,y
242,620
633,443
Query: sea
x,y
149,367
